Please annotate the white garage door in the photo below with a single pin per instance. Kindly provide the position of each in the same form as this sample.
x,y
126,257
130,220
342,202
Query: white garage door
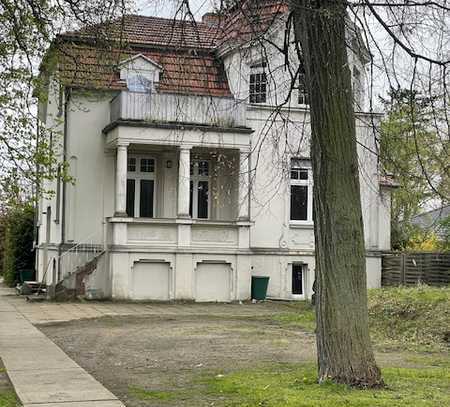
x,y
213,282
151,281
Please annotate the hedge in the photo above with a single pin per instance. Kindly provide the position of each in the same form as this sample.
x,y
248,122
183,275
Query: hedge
x,y
18,253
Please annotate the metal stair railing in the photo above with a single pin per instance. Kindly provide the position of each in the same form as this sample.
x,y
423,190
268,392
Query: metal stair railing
x,y
79,255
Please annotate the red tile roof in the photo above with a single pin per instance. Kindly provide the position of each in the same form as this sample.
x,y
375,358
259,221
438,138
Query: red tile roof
x,y
155,31
250,21
184,71
186,50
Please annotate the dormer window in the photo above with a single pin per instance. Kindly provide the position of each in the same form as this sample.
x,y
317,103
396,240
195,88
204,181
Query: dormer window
x,y
140,73
139,84
258,83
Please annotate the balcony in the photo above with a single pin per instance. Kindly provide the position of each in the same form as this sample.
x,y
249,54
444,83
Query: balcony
x,y
213,111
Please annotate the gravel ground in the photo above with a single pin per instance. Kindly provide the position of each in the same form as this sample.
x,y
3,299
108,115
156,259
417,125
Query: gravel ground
x,y
146,360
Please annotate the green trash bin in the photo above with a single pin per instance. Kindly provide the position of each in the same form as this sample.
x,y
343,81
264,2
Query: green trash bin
x,y
259,287
26,275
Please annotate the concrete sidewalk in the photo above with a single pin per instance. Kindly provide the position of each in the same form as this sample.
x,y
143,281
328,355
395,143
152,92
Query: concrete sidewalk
x,y
41,373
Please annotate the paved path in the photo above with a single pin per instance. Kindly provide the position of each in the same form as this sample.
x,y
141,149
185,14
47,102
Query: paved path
x,y
41,373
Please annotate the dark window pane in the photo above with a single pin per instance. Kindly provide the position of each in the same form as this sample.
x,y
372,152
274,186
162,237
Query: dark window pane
x,y
294,174
202,195
303,174
131,164
191,187
257,87
130,197
147,165
146,199
203,168
303,96
297,279
299,202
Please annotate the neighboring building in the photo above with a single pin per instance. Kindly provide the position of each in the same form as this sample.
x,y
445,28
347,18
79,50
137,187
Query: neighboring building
x,y
186,183
431,220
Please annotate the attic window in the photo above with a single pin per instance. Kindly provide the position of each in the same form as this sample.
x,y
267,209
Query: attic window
x,y
139,84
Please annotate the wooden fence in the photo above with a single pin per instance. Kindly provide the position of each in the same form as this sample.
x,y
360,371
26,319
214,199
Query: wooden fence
x,y
411,268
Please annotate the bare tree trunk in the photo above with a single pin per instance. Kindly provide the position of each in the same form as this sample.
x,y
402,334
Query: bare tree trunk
x,y
343,344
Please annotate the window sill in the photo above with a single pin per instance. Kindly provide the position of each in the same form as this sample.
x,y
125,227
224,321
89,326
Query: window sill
x,y
301,225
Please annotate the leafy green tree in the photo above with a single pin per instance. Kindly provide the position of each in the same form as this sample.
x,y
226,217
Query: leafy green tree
x,y
27,27
413,151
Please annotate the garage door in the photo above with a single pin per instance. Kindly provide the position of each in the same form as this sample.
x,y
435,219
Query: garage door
x,y
151,281
213,282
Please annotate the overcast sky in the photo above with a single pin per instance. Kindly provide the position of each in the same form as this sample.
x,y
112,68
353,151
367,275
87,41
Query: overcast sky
x,y
167,8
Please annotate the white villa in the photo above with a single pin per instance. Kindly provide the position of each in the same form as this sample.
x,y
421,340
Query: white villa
x,y
189,158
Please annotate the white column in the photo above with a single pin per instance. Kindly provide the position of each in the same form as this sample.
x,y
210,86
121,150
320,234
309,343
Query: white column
x,y
121,181
244,186
184,182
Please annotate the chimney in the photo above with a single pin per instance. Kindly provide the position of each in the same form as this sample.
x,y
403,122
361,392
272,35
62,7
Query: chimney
x,y
211,19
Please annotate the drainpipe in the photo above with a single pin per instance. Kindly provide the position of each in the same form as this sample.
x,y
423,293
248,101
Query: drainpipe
x,y
67,95
36,205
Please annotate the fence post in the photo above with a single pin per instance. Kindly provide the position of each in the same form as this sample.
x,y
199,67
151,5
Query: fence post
x,y
403,269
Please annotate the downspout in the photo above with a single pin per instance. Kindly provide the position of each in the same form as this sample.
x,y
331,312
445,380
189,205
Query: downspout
x,y
64,188
36,194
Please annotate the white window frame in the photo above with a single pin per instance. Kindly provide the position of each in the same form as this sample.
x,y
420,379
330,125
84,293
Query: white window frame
x,y
302,89
302,164
258,69
137,176
195,179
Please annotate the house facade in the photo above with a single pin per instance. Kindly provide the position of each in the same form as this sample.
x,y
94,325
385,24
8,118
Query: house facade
x,y
187,148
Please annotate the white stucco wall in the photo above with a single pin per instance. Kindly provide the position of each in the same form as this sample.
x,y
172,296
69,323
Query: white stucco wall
x,y
275,243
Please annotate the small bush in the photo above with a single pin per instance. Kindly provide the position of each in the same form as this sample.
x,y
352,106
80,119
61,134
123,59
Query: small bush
x,y
18,253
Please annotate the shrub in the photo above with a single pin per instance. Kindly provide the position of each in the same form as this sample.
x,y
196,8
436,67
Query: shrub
x,y
416,318
18,254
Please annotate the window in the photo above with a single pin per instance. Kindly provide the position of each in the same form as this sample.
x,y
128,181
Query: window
x,y
141,187
199,189
301,191
303,95
357,87
258,83
139,84
297,278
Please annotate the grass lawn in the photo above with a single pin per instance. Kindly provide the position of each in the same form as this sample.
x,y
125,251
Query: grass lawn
x,y
296,386
8,397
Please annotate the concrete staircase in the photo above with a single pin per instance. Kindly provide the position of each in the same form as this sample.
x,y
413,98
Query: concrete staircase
x,y
73,286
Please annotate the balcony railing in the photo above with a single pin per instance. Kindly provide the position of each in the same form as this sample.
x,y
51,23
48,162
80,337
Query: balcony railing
x,y
178,108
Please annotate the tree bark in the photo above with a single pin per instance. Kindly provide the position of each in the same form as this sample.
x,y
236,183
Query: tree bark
x,y
343,344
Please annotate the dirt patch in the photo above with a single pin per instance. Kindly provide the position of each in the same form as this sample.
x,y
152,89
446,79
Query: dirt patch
x,y
167,355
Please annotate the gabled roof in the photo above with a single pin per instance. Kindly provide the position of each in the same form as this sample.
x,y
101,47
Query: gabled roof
x,y
186,51
138,56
